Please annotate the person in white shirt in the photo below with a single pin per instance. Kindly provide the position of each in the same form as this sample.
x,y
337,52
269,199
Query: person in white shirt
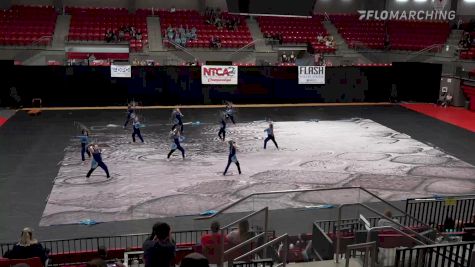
x,y
385,222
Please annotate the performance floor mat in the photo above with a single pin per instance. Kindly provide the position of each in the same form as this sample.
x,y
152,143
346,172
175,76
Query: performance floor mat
x,y
313,154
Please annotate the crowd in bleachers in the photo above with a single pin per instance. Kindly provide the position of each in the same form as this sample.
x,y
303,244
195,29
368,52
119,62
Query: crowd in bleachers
x,y
217,18
181,35
124,33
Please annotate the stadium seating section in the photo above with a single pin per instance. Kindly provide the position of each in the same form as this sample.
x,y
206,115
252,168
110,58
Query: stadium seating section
x,y
192,18
27,25
417,35
296,31
91,24
370,34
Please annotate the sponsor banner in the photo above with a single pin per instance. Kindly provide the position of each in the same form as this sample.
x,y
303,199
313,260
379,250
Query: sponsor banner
x,y
311,74
219,74
121,71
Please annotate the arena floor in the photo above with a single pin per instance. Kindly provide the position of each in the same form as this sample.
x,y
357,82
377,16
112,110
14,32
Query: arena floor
x,y
391,151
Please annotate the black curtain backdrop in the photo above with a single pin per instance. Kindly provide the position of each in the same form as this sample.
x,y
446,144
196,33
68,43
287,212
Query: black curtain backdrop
x,y
93,86
418,82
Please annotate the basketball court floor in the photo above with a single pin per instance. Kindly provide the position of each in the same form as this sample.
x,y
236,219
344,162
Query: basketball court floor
x,y
390,150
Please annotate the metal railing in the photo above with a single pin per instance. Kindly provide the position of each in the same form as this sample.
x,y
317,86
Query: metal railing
x,y
283,238
434,211
183,49
338,231
354,223
441,255
253,42
368,236
263,194
367,256
249,241
68,246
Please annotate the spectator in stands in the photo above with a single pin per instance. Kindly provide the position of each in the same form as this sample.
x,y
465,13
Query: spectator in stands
x,y
241,234
27,247
194,36
213,238
285,59
159,249
447,100
172,9
177,38
183,39
320,38
102,255
138,35
388,222
194,260
292,57
121,34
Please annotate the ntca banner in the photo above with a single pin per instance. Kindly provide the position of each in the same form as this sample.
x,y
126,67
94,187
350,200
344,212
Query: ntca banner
x,y
219,74
121,71
311,74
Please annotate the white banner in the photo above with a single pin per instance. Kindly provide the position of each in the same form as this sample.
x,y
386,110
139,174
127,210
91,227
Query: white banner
x,y
311,74
121,71
219,74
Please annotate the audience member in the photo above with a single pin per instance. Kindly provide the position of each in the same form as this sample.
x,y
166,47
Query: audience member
x,y
102,255
241,234
213,238
292,57
172,9
320,38
447,100
194,260
285,59
215,42
159,249
388,222
27,247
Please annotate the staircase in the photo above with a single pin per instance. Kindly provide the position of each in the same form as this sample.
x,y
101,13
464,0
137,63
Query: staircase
x,y
155,42
257,36
61,32
346,55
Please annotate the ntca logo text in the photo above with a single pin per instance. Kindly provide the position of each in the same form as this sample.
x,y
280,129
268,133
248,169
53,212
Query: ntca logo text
x,y
407,15
218,71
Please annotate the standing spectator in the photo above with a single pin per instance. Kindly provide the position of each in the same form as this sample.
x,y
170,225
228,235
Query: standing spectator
x,y
159,249
213,238
319,38
27,247
284,58
241,234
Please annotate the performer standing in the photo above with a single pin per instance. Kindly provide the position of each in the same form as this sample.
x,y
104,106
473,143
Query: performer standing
x,y
222,130
177,119
230,111
175,136
270,136
97,160
84,137
232,157
130,112
136,127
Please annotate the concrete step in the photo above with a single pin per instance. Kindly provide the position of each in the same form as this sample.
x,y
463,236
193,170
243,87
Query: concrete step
x,y
61,31
155,42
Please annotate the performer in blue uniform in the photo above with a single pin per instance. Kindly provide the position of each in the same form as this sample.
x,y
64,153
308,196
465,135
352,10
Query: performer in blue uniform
x,y
136,127
130,112
222,130
97,160
177,117
270,136
232,157
229,112
84,137
175,136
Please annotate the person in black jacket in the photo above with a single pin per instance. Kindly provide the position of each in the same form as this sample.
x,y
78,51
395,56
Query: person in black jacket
x,y
159,249
28,247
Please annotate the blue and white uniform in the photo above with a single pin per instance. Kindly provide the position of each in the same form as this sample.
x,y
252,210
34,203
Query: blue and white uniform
x,y
230,113
97,161
136,127
175,136
177,117
84,141
232,158
130,111
222,129
270,136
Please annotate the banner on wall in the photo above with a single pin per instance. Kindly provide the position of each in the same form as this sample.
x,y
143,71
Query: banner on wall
x,y
121,71
311,74
219,74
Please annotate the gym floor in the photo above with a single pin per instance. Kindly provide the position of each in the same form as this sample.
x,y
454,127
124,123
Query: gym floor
x,y
390,150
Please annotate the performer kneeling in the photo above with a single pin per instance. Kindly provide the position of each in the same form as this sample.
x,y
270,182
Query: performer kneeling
x,y
177,119
175,136
84,137
136,127
222,130
97,160
232,157
270,136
